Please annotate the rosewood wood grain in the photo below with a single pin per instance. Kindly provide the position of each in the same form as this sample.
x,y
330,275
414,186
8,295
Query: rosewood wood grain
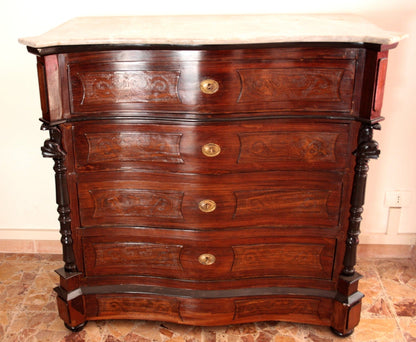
x,y
179,259
245,146
193,311
294,84
43,91
293,309
303,204
373,84
152,199
347,306
314,147
265,260
128,257
54,87
137,203
170,82
122,306
196,242
133,146
126,86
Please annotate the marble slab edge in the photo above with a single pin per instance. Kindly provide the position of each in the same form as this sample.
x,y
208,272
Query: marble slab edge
x,y
193,30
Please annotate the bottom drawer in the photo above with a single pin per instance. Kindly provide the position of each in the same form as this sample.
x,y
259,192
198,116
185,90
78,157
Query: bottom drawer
x,y
201,259
301,308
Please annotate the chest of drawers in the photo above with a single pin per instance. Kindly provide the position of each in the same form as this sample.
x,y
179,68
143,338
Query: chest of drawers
x,y
211,184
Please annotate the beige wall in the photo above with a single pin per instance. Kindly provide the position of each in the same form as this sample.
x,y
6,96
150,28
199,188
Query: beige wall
x,y
27,202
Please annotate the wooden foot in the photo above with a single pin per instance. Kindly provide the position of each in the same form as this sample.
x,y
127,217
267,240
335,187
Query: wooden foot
x,y
77,328
340,334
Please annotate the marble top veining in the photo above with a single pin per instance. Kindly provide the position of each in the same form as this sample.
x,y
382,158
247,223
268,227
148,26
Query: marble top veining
x,y
213,30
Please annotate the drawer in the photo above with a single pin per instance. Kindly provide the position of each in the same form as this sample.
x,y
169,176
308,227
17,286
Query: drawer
x,y
199,260
186,308
232,81
210,201
213,148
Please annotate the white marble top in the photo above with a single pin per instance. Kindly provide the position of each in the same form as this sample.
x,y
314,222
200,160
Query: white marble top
x,y
214,29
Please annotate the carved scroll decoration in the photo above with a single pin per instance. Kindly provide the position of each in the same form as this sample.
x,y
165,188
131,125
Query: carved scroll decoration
x,y
367,149
52,148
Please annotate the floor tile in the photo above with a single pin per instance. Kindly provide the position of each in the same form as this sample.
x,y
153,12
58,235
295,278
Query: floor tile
x,y
377,329
398,278
35,326
6,318
408,327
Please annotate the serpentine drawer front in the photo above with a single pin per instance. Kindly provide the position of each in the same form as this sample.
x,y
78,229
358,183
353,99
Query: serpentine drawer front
x,y
234,81
224,177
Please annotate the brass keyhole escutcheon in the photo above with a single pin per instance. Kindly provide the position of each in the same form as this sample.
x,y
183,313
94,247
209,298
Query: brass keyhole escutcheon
x,y
211,150
206,259
209,86
207,206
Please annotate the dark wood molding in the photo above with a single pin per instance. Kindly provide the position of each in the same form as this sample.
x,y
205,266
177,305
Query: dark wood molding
x,y
49,50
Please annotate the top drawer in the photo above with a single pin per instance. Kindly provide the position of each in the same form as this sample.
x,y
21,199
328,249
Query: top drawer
x,y
227,81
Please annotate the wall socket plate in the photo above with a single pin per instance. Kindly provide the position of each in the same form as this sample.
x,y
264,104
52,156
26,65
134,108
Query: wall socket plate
x,y
397,199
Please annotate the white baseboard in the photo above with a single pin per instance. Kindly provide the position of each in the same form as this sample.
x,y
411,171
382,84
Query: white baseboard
x,y
388,239
30,241
29,234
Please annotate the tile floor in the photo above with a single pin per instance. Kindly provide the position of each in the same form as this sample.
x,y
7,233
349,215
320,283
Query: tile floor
x,y
28,311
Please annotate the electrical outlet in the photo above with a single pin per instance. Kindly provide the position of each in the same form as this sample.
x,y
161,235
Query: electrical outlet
x,y
397,199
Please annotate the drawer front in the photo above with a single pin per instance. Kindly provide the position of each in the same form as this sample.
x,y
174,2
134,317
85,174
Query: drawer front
x,y
208,201
225,310
212,81
197,260
235,146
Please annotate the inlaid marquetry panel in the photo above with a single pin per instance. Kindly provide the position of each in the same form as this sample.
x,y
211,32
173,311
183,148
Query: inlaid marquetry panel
x,y
305,205
270,308
308,147
291,84
284,259
137,258
135,202
136,306
133,146
128,86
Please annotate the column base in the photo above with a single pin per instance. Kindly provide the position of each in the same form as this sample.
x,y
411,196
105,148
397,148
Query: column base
x,y
347,306
71,300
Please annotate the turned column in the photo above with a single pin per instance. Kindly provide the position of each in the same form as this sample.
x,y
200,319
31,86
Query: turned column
x,y
52,148
367,149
